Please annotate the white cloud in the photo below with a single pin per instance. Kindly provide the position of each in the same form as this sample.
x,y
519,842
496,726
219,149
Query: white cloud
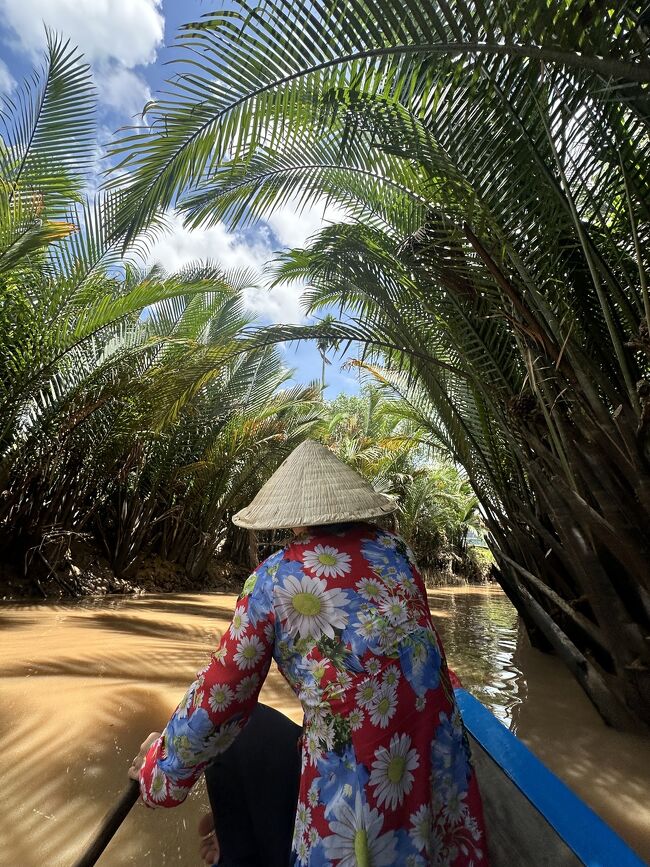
x,y
280,304
7,81
126,31
122,89
293,226
180,246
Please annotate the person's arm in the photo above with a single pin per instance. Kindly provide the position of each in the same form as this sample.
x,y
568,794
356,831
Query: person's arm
x,y
217,705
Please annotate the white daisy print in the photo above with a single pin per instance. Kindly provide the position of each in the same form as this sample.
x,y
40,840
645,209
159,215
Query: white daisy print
x,y
357,837
334,691
387,541
221,695
394,610
312,795
247,687
368,627
322,730
410,555
455,807
312,746
328,737
355,718
249,652
325,560
367,692
302,850
158,787
222,739
308,609
370,589
220,654
391,676
239,623
391,582
297,836
407,584
373,666
303,817
317,667
317,725
472,826
422,828
344,680
201,673
383,707
309,694
178,793
185,703
391,771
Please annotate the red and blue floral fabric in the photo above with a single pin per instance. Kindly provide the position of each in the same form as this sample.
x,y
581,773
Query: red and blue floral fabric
x,y
386,771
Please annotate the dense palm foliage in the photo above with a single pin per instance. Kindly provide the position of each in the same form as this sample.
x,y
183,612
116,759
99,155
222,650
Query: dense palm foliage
x,y
133,410
496,156
377,436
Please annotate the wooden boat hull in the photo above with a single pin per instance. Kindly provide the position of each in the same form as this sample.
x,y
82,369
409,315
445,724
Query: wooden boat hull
x,y
532,818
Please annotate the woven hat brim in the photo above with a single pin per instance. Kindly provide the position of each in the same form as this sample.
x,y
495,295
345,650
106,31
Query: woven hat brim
x,y
313,487
272,520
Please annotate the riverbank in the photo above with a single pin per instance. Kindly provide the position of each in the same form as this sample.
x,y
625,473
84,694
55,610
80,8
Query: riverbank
x,y
74,568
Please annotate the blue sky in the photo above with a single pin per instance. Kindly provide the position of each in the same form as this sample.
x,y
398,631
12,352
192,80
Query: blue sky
x,y
128,43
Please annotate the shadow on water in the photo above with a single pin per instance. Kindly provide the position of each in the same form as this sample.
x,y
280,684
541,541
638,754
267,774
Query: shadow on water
x,y
8,622
187,608
130,624
69,778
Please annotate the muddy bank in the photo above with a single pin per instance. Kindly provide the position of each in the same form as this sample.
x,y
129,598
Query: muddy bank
x,y
72,568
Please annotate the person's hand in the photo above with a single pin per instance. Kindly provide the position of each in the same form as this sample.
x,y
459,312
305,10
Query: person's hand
x,y
209,845
138,761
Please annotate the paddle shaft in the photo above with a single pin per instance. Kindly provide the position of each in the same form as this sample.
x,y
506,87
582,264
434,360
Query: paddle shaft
x,y
111,823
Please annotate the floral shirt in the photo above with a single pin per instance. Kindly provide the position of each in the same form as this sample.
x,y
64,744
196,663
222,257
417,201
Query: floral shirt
x,y
386,771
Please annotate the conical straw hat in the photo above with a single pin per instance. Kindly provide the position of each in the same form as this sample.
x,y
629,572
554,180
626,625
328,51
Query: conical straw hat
x,y
311,487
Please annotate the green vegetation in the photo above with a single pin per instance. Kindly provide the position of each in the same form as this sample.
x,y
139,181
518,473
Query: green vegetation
x,y
375,435
132,409
136,413
493,158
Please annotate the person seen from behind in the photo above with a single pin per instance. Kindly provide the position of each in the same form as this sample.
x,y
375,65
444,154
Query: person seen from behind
x,y
383,773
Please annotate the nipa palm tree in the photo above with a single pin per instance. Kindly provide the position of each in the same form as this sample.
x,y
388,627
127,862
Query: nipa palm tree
x,y
133,408
495,157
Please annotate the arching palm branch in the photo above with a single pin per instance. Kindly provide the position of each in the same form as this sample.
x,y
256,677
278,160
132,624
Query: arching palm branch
x,y
496,159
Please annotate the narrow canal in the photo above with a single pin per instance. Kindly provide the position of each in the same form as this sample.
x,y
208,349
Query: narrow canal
x,y
81,685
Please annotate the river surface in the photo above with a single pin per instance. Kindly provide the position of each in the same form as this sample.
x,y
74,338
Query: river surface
x,y
82,684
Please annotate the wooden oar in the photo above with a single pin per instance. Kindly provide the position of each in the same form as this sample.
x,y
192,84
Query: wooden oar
x,y
109,826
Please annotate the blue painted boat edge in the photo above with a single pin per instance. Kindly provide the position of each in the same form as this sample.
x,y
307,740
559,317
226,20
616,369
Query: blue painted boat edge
x,y
585,833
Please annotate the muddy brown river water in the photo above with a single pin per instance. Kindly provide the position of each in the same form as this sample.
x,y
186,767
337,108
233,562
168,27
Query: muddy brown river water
x,y
81,685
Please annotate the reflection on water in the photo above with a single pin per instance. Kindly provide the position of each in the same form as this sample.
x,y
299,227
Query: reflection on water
x,y
82,684
479,630
536,697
